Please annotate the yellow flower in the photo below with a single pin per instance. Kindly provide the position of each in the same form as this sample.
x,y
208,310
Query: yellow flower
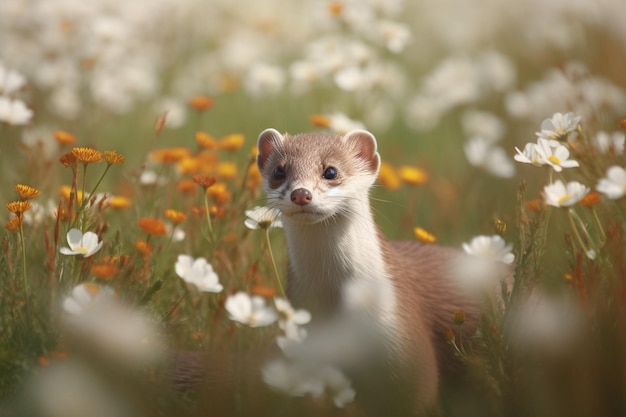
x,y
114,158
412,175
119,202
64,138
188,166
87,155
388,176
66,193
26,192
170,155
424,236
206,141
151,226
254,179
18,207
201,103
14,223
335,8
232,142
227,170
175,216
219,192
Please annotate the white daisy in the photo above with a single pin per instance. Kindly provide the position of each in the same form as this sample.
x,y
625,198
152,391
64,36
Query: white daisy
x,y
613,186
558,194
251,311
263,218
81,244
198,272
559,126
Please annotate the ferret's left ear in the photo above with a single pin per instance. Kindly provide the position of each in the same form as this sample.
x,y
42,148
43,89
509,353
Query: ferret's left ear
x,y
364,144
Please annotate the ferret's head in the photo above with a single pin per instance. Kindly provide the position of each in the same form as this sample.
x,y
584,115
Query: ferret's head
x,y
313,177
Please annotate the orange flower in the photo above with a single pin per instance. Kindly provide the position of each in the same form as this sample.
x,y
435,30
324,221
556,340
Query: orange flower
x,y
64,138
388,176
227,170
14,223
18,207
87,155
119,202
263,291
26,192
151,226
206,161
169,155
119,260
424,236
104,271
535,205
590,199
254,179
68,159
319,120
187,186
201,103
622,123
144,247
335,8
232,142
204,181
114,158
175,216
219,192
206,141
412,175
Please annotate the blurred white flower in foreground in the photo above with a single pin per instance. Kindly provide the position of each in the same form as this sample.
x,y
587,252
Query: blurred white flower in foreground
x,y
96,317
483,124
545,324
81,244
251,311
559,126
290,321
559,194
337,122
263,218
299,379
14,112
613,186
493,159
198,272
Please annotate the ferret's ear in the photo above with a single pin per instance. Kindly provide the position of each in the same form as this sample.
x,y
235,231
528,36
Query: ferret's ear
x,y
364,144
268,140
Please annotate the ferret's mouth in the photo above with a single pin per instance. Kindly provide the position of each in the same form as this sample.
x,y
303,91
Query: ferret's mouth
x,y
305,216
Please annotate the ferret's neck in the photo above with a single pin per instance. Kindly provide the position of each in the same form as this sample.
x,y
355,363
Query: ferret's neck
x,y
330,258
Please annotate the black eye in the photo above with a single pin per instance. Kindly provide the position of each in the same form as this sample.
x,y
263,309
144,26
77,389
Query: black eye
x,y
330,173
279,174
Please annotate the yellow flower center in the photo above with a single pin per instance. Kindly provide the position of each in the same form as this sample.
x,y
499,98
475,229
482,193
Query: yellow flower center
x,y
82,249
554,160
563,198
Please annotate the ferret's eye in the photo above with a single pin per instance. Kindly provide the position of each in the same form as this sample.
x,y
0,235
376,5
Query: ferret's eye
x,y
330,173
279,174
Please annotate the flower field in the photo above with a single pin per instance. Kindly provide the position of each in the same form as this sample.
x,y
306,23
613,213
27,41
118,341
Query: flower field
x,y
140,268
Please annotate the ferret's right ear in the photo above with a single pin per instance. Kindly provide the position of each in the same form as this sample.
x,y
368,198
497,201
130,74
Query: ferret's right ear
x,y
267,142
364,144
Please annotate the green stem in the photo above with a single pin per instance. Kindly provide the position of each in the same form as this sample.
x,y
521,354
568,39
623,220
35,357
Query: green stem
x,y
99,181
576,232
24,276
208,217
599,223
269,248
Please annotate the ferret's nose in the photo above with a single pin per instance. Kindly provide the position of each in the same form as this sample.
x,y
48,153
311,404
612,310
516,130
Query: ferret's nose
x,y
301,196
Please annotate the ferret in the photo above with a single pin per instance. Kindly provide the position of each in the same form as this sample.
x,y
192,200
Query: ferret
x,y
340,262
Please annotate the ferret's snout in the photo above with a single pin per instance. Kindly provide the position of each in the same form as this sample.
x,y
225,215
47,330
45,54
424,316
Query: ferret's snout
x,y
301,196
